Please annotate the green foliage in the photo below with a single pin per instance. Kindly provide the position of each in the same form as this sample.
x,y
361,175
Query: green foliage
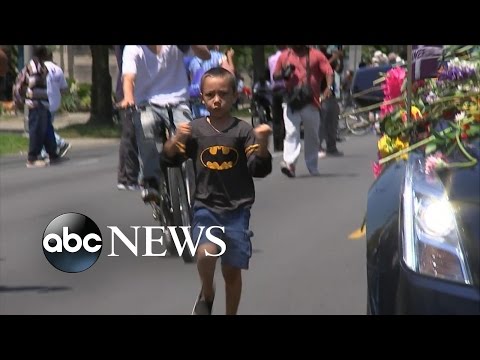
x,y
78,97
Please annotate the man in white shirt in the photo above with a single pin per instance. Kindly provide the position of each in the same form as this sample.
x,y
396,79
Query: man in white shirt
x,y
154,78
56,86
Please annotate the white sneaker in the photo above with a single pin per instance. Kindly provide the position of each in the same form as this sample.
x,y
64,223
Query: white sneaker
x,y
36,164
322,154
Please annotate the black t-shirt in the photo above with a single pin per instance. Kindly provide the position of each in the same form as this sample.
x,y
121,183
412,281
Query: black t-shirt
x,y
225,164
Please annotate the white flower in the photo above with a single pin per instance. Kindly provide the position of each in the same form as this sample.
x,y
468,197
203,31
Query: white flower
x,y
460,116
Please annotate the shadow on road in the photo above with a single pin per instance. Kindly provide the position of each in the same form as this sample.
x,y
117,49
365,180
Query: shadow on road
x,y
326,175
40,289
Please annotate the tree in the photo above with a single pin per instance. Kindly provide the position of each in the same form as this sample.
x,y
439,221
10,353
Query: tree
x,y
101,100
259,63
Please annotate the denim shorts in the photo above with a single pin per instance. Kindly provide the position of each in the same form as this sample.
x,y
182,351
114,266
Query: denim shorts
x,y
236,236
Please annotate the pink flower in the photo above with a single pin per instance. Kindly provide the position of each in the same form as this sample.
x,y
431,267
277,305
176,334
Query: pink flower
x,y
385,110
377,169
394,79
434,162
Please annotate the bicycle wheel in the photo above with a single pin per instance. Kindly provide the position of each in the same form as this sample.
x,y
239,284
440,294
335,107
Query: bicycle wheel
x,y
180,207
189,176
255,116
163,213
357,124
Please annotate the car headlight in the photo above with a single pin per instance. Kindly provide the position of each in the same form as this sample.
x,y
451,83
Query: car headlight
x,y
431,241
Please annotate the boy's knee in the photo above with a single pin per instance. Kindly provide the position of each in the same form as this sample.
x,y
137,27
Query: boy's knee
x,y
231,274
207,248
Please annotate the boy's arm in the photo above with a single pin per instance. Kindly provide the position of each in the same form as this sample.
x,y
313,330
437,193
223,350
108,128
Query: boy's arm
x,y
259,159
175,148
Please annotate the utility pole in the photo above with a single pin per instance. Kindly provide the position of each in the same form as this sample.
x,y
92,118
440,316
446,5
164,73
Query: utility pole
x,y
27,55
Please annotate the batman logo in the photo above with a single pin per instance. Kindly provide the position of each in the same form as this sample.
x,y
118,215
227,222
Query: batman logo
x,y
219,157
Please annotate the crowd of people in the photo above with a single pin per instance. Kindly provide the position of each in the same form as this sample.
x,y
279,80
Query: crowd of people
x,y
198,86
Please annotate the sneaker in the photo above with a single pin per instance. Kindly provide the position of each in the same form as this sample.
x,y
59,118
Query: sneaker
x,y
36,164
150,194
322,154
64,149
134,187
335,153
56,160
202,306
288,170
121,186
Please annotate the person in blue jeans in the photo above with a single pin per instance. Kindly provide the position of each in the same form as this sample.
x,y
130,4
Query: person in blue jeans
x,y
227,153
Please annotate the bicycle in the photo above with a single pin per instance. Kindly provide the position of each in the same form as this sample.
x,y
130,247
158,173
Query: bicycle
x,y
258,113
176,189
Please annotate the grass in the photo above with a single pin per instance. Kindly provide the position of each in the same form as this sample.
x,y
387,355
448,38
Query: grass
x,y
90,130
12,143
241,112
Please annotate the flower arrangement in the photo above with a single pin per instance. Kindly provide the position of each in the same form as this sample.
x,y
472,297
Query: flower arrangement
x,y
444,114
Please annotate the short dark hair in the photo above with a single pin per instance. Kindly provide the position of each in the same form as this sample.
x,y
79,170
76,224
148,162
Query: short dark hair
x,y
220,72
41,52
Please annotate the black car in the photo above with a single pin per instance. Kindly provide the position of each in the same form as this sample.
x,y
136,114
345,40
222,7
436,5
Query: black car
x,y
363,80
423,236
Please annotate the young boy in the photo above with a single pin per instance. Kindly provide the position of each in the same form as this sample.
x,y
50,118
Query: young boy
x,y
227,154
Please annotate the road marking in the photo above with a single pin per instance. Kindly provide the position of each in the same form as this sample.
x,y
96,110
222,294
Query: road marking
x,y
357,234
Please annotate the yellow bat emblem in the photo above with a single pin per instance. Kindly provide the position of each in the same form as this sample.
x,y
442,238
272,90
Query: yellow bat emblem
x,y
219,157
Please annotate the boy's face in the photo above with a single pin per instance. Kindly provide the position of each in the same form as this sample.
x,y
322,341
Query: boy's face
x,y
218,95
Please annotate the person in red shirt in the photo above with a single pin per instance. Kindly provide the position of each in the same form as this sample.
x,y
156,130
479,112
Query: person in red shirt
x,y
302,102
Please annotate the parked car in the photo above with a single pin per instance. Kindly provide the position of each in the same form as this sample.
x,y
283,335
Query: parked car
x,y
363,80
423,239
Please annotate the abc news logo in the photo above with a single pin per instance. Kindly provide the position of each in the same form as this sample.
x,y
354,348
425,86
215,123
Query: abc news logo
x,y
72,242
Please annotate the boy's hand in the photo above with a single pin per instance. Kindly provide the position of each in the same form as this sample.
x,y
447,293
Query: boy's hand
x,y
262,132
184,131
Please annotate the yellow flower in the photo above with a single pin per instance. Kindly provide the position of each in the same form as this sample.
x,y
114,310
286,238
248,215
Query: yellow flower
x,y
416,113
385,146
400,145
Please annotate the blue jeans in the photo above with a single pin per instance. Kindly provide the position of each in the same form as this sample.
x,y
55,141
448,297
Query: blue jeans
x,y
38,124
150,146
236,237
51,134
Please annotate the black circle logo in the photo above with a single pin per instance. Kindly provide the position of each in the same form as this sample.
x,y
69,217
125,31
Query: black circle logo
x,y
72,242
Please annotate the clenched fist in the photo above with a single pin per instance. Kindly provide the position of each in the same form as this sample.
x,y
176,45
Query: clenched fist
x,y
184,131
262,131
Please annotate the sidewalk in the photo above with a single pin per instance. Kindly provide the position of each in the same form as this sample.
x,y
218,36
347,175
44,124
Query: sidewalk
x,y
16,123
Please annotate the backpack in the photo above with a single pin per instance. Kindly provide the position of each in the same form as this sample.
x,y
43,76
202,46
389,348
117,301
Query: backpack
x,y
30,83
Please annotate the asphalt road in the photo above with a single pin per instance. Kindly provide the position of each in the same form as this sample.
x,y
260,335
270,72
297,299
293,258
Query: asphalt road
x,y
303,261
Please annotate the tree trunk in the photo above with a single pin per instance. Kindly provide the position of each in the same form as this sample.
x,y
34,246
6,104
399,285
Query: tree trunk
x,y
259,64
101,101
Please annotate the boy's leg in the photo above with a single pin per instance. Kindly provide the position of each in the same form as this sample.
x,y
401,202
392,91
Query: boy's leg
x,y
233,288
203,219
236,257
206,269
